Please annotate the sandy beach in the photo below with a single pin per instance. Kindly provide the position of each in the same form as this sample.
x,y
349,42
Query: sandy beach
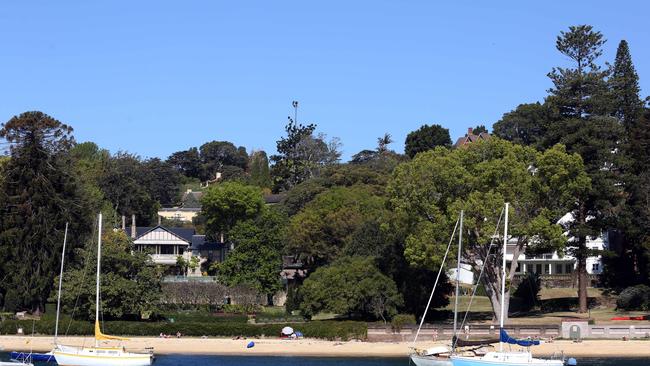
x,y
313,347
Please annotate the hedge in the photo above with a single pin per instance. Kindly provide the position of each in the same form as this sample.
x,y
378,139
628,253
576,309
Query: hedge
x,y
332,330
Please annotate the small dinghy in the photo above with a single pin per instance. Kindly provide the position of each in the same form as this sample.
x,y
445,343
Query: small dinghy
x,y
38,357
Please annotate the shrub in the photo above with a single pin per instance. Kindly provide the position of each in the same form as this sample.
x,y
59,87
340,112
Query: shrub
x,y
331,330
634,298
527,292
401,320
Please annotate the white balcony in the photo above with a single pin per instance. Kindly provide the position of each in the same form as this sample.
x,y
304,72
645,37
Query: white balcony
x,y
169,259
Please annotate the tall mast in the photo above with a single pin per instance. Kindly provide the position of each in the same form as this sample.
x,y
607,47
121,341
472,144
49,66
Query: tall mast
x,y
503,275
99,265
460,244
58,300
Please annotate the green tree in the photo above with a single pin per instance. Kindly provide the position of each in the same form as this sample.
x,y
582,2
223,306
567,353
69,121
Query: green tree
x,y
225,204
302,194
124,183
256,260
259,170
636,221
130,283
350,286
479,129
627,265
88,163
583,100
162,181
383,142
426,138
526,125
319,233
40,195
431,190
624,85
301,155
219,155
187,162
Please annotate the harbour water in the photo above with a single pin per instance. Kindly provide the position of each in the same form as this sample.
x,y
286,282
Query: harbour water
x,y
177,360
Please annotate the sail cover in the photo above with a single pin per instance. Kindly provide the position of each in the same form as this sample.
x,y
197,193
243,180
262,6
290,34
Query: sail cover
x,y
105,337
505,338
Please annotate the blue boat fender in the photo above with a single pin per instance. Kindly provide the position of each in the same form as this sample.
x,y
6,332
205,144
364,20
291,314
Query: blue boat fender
x,y
250,344
571,362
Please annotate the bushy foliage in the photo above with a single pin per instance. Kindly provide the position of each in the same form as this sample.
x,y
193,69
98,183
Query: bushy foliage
x,y
400,320
331,330
426,138
319,233
352,285
39,194
528,291
130,284
227,203
634,298
256,260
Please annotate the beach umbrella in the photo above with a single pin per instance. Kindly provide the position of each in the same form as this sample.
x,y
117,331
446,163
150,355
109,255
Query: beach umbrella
x,y
287,331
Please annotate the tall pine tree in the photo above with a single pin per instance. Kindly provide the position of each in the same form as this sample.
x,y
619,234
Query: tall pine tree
x,y
40,197
626,264
581,95
624,85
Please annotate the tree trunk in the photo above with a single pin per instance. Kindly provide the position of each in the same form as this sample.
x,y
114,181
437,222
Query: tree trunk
x,y
582,279
582,264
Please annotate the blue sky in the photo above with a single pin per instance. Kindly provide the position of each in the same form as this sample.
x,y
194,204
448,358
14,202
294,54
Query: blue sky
x,y
154,77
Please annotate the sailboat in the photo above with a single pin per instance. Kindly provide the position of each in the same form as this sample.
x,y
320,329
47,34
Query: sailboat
x,y
508,358
440,355
99,356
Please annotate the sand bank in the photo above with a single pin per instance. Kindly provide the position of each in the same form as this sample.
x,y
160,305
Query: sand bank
x,y
313,347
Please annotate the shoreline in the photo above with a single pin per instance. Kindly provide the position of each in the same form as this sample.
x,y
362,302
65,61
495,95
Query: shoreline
x,y
319,348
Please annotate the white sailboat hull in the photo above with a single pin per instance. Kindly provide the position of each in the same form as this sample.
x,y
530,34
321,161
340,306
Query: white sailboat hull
x,y
504,359
432,360
91,356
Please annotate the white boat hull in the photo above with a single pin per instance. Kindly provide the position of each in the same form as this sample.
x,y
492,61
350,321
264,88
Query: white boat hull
x,y
90,356
17,363
420,360
504,359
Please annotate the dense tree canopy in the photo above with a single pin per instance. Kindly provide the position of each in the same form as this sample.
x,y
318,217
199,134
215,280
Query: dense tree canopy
x,y
301,155
352,286
256,260
320,231
426,138
130,283
259,170
40,195
433,188
226,204
526,125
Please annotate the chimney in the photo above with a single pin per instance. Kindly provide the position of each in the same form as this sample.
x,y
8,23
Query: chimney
x,y
469,131
123,223
133,231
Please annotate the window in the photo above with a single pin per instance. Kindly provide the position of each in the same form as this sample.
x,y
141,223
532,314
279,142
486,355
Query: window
x,y
569,268
538,269
595,267
558,269
166,249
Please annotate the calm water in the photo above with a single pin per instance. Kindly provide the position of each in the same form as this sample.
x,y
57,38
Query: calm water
x,y
177,360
